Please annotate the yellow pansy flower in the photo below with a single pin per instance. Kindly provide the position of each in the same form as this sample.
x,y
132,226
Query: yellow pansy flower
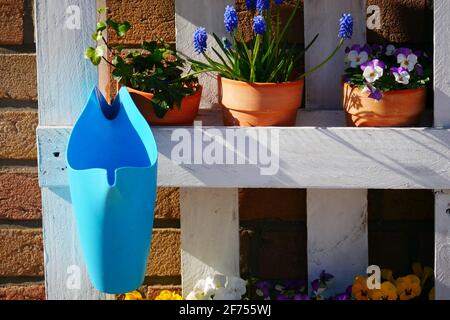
x,y
387,291
386,274
134,295
408,287
359,288
168,295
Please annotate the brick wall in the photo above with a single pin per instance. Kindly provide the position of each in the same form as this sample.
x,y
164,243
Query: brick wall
x,y
272,221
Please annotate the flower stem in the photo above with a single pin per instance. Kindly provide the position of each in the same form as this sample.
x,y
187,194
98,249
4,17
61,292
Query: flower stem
x,y
320,65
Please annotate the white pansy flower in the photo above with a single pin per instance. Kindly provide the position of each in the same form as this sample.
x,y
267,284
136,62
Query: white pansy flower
x,y
407,61
372,73
357,58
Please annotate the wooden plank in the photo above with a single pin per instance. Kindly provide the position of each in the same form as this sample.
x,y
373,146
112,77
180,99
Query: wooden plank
x,y
190,14
65,80
322,16
330,158
442,119
337,235
209,234
442,244
441,65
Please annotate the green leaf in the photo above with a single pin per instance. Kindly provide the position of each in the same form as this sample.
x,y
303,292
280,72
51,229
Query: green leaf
x,y
95,54
102,10
101,26
96,36
121,28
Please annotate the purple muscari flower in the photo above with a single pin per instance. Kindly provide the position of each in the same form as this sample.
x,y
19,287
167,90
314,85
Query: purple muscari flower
x,y
282,297
251,4
226,43
375,93
262,5
419,70
259,25
301,296
230,19
346,26
279,2
200,39
405,51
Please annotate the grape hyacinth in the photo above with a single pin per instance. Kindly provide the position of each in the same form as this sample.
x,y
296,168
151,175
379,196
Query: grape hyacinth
x,y
226,43
279,2
259,25
251,4
230,19
346,26
262,5
200,39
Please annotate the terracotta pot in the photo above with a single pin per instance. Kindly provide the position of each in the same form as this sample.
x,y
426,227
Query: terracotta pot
x,y
400,108
174,117
259,104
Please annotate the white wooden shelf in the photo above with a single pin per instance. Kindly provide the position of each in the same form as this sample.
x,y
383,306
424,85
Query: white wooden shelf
x,y
309,157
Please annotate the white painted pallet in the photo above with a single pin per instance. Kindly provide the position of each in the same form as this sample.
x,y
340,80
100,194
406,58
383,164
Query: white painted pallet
x,y
442,119
323,160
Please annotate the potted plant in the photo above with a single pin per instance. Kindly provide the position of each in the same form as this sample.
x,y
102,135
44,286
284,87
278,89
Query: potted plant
x,y
259,82
385,86
152,74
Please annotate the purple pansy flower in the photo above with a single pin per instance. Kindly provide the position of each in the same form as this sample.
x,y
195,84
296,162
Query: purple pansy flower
x,y
373,70
375,93
301,296
263,288
358,55
282,297
419,70
401,75
295,285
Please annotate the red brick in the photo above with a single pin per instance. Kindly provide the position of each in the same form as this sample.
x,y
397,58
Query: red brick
x,y
18,134
19,77
21,252
20,195
25,291
403,21
282,255
165,256
167,203
279,204
150,20
11,22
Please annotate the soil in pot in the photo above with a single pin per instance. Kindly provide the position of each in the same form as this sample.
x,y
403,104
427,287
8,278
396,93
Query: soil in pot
x,y
183,116
400,108
259,104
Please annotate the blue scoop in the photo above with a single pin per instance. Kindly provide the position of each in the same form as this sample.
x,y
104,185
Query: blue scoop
x,y
112,165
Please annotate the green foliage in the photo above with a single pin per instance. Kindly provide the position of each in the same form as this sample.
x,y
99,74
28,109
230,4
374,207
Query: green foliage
x,y
155,67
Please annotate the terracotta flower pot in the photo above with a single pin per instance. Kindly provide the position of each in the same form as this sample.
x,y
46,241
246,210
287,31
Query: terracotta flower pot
x,y
259,104
400,108
174,117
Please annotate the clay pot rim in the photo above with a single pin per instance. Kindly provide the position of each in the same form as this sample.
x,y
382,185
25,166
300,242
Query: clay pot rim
x,y
262,84
392,92
149,95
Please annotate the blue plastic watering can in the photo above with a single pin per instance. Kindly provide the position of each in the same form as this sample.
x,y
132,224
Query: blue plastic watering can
x,y
112,164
